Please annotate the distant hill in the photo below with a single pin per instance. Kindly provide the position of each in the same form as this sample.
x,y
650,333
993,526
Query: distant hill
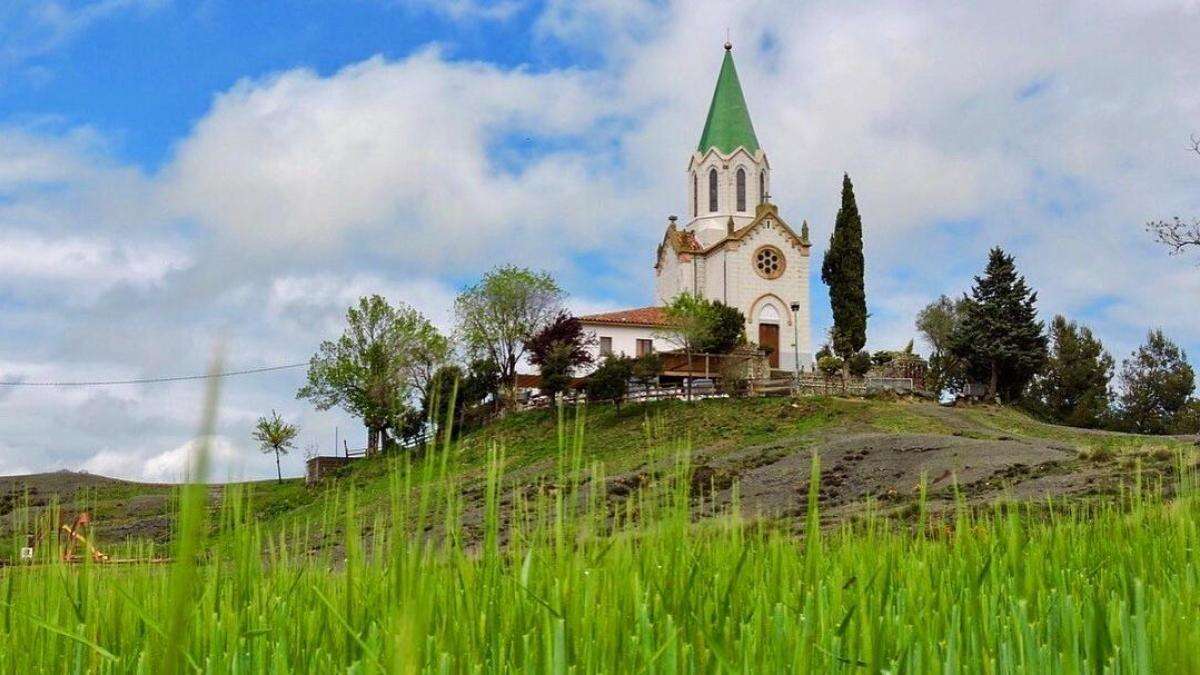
x,y
121,509
876,449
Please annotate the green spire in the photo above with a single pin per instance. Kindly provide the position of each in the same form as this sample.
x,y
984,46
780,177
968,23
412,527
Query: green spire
x,y
728,125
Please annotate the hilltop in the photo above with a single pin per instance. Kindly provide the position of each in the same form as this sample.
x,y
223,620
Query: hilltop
x,y
876,450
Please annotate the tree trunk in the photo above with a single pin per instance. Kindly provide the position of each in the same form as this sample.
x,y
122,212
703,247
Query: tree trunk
x,y
994,383
372,441
689,375
278,470
512,384
845,377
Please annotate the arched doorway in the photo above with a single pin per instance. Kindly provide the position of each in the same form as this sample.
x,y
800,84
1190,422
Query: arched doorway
x,y
768,332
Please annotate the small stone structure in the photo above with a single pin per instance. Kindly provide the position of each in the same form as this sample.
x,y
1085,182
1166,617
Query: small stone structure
x,y
317,468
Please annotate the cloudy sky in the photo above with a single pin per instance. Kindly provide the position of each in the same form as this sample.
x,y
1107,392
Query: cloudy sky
x,y
177,174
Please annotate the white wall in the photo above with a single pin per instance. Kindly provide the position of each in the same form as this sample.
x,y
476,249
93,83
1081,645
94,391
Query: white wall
x,y
624,339
674,276
749,292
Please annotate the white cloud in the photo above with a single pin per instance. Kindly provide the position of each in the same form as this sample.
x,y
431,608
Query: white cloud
x,y
226,462
462,10
322,299
180,463
396,156
91,261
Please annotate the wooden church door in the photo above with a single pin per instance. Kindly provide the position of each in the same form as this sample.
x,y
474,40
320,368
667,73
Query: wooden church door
x,y
768,338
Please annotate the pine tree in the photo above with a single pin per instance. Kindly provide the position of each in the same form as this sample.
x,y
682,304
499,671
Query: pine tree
x,y
842,270
1157,383
1000,338
1073,388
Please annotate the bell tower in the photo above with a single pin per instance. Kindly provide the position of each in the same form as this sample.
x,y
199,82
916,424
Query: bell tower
x,y
728,174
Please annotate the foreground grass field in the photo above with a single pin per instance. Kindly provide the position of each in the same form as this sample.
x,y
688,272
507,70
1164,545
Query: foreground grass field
x,y
565,576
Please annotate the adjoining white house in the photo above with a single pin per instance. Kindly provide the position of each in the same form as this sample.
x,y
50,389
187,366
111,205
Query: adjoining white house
x,y
736,248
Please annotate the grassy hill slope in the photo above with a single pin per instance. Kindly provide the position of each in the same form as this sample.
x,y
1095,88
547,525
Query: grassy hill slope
x,y
870,450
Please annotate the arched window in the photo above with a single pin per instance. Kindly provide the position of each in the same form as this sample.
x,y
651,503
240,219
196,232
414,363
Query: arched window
x,y
741,189
762,187
712,190
695,195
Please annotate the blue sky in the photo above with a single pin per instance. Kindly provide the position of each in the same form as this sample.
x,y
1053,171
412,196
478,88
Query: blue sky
x,y
143,75
173,173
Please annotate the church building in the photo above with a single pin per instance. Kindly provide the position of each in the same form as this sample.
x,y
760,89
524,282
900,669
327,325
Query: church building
x,y
734,247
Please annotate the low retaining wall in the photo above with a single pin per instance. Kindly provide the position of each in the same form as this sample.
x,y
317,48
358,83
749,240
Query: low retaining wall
x,y
317,468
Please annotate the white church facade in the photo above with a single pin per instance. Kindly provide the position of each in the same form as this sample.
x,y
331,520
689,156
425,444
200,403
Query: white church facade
x,y
734,247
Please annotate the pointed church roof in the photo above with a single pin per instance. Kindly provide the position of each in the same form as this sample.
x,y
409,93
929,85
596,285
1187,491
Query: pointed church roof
x,y
728,125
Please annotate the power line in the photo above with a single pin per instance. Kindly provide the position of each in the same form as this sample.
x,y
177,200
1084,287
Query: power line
x,y
151,380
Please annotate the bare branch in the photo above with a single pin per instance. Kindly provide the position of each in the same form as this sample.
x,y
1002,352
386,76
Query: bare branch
x,y
1176,234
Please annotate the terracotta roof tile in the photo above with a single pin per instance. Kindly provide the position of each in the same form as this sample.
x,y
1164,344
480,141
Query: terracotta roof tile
x,y
641,316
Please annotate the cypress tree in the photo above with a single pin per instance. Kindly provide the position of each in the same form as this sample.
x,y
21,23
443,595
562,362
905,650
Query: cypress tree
x,y
842,270
1000,338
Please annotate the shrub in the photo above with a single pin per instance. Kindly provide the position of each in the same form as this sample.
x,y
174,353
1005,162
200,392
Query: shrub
x,y
1099,453
831,366
610,382
860,364
733,377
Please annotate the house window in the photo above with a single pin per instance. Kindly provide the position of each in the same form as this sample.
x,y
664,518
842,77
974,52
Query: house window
x,y
695,195
741,189
645,347
606,346
769,262
712,190
762,187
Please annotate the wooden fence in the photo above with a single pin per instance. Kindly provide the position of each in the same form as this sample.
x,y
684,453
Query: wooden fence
x,y
805,385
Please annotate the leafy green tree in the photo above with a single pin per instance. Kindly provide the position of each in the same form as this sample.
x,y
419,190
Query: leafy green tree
x,y
446,382
1187,421
727,331
465,389
370,371
1157,384
556,370
429,356
938,323
1000,338
647,368
445,401
690,321
409,424
610,381
497,316
482,381
557,350
842,270
1073,387
277,436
